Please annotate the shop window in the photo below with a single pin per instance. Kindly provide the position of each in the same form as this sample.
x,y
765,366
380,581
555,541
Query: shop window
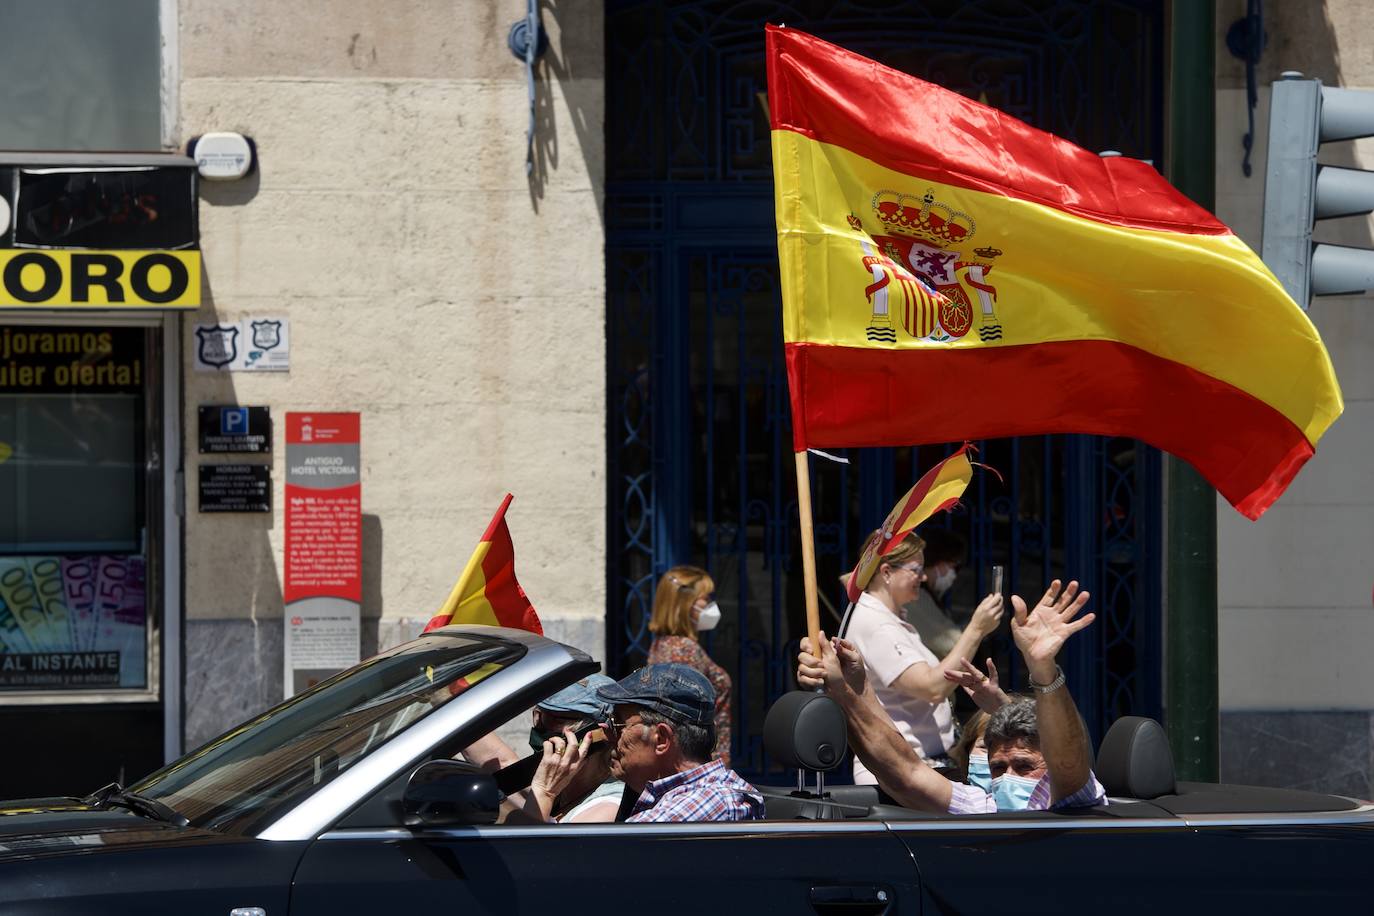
x,y
74,557
81,76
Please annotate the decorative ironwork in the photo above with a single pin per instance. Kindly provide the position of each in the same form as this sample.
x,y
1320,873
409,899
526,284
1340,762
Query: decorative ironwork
x,y
699,432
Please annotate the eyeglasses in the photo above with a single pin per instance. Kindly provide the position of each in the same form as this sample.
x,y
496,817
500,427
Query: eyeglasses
x,y
914,570
614,727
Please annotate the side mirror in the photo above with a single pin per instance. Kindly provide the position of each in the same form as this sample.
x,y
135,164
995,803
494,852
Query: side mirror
x,y
449,793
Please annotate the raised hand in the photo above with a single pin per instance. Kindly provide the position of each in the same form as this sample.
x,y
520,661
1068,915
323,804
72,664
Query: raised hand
x,y
1042,631
984,690
563,757
839,667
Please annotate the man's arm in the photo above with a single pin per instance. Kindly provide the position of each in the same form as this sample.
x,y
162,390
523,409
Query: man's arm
x,y
840,671
1040,634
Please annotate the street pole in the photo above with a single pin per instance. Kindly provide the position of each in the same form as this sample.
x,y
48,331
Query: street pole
x,y
1191,694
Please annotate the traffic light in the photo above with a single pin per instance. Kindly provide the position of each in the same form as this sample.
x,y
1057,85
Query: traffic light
x,y
1304,114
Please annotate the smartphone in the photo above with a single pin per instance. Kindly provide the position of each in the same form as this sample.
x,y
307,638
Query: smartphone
x,y
997,572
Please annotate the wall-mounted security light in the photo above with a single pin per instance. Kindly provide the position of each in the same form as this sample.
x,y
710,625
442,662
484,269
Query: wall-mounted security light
x,y
223,155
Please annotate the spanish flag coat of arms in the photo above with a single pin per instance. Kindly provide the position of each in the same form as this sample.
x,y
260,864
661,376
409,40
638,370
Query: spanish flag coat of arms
x,y
952,273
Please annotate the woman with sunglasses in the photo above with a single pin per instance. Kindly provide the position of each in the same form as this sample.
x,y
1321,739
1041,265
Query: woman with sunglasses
x,y
908,678
684,606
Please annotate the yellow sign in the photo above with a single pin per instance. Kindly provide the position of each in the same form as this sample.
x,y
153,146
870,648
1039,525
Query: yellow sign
x,y
64,279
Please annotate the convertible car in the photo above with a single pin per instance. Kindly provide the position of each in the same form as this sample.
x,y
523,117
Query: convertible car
x,y
347,799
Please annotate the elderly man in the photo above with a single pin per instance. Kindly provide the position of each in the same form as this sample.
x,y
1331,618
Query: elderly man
x,y
662,733
1037,748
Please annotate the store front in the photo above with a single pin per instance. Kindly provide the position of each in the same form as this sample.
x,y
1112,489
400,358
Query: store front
x,y
98,255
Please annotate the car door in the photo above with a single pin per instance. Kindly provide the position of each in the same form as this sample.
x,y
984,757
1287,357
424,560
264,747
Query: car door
x,y
1133,858
826,868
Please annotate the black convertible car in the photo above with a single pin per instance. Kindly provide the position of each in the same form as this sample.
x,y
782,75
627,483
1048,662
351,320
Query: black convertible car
x,y
345,799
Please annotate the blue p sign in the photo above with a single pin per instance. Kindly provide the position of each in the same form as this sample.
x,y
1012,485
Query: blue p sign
x,y
233,421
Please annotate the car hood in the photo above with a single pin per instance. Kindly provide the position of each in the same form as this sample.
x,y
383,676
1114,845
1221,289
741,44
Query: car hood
x,y
42,827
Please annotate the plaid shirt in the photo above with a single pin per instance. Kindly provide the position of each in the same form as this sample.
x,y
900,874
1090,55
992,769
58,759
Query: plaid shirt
x,y
710,792
967,799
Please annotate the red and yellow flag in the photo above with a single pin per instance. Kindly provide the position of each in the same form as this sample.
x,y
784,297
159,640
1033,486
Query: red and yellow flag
x,y
952,273
937,490
487,591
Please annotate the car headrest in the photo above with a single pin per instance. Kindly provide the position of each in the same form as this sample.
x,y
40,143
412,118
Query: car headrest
x,y
1135,760
806,730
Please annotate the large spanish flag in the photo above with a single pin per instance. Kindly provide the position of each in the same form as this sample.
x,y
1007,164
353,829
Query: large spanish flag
x,y
487,591
952,273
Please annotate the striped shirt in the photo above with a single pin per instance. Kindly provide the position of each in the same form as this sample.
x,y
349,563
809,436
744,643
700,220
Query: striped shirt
x,y
710,792
966,799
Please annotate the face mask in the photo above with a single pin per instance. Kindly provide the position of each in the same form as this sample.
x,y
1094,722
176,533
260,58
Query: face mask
x,y
943,582
1013,793
978,773
709,617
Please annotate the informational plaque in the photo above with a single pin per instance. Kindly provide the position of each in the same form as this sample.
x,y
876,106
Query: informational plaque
x,y
323,581
226,429
235,488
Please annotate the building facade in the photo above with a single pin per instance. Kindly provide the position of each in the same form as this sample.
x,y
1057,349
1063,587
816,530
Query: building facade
x,y
595,333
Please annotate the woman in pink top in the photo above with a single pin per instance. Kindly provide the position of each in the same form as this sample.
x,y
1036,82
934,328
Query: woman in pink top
x,y
685,605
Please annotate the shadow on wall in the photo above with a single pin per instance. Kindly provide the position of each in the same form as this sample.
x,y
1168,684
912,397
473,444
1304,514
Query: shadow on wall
x,y
576,60
233,659
372,586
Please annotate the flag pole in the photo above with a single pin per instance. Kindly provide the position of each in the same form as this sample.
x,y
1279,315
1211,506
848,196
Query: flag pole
x,y
808,543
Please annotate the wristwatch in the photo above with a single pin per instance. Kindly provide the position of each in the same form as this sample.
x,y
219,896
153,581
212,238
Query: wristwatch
x,y
1052,686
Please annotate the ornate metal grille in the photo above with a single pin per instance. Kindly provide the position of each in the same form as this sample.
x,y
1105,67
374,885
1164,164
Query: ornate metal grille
x,y
699,451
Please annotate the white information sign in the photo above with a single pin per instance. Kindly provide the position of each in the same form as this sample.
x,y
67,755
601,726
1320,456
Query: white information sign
x,y
322,638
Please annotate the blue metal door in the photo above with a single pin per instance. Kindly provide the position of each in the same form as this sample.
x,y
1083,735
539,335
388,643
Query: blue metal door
x,y
699,431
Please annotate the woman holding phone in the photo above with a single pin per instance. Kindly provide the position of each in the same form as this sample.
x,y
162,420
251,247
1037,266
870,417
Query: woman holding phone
x,y
907,676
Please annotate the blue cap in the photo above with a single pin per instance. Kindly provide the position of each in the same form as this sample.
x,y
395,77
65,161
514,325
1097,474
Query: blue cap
x,y
675,691
580,699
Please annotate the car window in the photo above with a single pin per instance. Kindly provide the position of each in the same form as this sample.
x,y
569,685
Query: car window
x,y
243,779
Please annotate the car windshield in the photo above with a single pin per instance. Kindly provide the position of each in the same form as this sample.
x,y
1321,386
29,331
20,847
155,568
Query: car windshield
x,y
246,777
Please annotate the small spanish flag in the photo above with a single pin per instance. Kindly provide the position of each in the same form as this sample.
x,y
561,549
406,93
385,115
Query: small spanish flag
x,y
487,591
938,252
937,490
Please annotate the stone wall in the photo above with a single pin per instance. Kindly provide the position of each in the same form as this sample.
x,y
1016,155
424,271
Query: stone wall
x,y
1296,628
430,284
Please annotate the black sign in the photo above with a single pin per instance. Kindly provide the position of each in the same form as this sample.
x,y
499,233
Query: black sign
x,y
59,669
235,488
107,208
230,428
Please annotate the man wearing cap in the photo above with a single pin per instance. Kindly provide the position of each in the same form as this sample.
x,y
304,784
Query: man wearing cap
x,y
663,735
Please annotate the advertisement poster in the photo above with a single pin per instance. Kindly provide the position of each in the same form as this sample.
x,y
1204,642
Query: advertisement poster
x,y
323,580
73,622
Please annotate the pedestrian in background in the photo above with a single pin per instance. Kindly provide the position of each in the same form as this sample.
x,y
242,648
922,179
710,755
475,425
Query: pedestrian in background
x,y
685,606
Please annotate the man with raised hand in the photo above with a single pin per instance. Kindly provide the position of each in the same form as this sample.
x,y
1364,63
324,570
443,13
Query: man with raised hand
x,y
1038,749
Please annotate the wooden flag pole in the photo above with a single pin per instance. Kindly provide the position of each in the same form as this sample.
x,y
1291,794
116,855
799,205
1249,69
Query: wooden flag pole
x,y
808,543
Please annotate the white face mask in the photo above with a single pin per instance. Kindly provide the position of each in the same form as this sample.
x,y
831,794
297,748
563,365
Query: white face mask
x,y
943,582
708,617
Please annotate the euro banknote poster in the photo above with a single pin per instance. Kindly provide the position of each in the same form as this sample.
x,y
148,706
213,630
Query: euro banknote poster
x,y
73,622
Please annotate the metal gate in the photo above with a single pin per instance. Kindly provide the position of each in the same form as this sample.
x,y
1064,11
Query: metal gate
x,y
699,448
